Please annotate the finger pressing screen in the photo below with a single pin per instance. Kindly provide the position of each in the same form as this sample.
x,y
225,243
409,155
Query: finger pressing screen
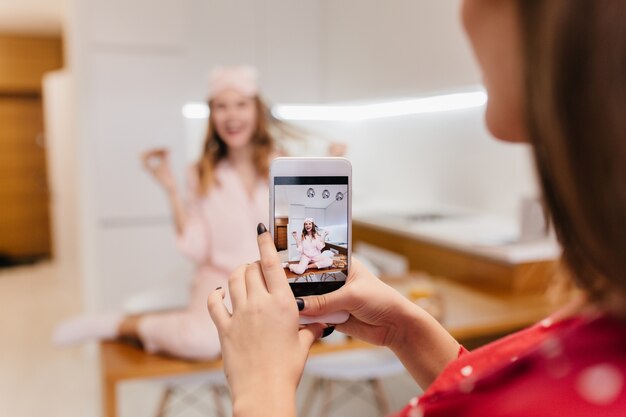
x,y
275,278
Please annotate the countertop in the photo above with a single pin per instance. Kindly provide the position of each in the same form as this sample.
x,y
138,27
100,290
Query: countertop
x,y
486,235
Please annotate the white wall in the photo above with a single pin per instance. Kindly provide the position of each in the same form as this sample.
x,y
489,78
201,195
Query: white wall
x,y
62,169
434,159
280,37
397,48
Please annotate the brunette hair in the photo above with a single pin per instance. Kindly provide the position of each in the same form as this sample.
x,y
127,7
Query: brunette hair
x,y
575,78
313,231
214,149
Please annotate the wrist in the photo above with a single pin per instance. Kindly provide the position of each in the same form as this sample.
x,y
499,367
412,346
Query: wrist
x,y
422,344
411,318
264,400
171,190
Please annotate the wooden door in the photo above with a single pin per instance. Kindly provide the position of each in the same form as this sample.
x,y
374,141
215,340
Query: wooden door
x,y
24,219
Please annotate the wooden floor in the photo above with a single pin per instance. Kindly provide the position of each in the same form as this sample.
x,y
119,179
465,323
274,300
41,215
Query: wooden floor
x,y
36,379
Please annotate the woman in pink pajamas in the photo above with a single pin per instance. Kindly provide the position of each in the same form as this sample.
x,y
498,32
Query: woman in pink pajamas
x,y
227,197
310,245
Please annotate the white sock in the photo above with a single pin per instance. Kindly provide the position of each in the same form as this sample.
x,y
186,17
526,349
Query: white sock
x,y
87,327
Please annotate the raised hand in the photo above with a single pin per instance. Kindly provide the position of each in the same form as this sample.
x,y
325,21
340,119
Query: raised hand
x,y
157,163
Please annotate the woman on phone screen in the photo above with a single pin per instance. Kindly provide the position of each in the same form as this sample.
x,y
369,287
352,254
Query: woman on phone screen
x,y
310,245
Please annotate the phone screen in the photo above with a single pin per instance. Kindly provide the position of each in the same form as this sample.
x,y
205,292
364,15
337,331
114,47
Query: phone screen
x,y
312,230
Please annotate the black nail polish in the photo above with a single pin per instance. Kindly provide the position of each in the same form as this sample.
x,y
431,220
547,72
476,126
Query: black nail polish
x,y
328,331
218,288
300,303
260,229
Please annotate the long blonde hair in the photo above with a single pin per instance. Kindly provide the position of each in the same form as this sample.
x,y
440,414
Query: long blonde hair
x,y
214,149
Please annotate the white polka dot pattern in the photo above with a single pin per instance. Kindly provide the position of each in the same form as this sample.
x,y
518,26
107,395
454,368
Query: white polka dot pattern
x,y
467,370
546,323
600,384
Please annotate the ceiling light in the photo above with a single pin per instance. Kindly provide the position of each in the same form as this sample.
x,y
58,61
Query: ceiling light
x,y
359,112
196,111
367,111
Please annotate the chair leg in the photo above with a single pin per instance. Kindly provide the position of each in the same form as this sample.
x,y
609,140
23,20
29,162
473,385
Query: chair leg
x,y
217,399
165,399
327,398
310,396
381,398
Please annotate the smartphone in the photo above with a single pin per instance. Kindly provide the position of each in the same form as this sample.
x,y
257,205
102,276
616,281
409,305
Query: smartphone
x,y
311,222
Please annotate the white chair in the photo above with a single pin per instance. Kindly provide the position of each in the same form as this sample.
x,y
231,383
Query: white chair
x,y
178,389
354,370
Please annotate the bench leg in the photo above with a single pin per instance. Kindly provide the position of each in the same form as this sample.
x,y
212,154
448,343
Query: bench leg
x,y
109,398
327,397
217,398
316,384
165,399
381,397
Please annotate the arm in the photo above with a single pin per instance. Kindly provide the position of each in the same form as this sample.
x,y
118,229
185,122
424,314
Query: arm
x,y
320,242
179,211
157,163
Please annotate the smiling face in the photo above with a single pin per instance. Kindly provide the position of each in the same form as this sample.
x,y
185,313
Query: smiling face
x,y
235,118
494,32
308,226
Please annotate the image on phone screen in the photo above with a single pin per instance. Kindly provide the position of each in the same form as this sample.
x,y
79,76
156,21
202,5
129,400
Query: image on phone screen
x,y
311,231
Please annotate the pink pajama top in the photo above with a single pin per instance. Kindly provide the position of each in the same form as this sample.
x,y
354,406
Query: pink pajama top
x,y
220,234
311,247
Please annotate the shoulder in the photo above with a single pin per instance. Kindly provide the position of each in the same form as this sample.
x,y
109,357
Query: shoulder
x,y
577,372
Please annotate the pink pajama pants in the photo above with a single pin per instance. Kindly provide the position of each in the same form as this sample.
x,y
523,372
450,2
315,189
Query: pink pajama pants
x,y
188,333
320,260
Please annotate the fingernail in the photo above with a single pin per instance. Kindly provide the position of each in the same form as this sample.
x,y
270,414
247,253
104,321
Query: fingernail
x,y
300,303
328,331
260,229
218,288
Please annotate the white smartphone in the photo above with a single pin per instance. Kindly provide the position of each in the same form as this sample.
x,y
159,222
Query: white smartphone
x,y
311,222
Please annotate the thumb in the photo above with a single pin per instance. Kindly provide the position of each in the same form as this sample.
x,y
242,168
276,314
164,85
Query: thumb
x,y
331,302
310,334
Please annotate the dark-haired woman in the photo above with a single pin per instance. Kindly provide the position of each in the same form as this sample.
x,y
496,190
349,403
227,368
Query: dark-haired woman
x,y
555,72
310,245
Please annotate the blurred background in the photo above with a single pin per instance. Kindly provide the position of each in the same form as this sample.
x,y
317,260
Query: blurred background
x,y
87,85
